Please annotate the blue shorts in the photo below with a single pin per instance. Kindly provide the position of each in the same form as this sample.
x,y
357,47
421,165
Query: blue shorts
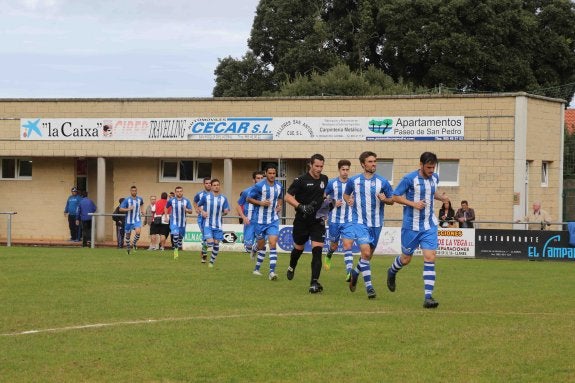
x,y
249,235
180,230
132,226
201,226
411,240
264,230
361,233
335,230
213,233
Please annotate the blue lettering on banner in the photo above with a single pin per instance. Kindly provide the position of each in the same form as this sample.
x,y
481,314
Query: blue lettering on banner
x,y
232,126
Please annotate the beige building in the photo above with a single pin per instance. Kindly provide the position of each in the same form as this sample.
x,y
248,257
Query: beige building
x,y
507,154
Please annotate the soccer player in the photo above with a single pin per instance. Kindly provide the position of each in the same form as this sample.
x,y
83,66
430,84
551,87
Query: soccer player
x,y
197,198
306,195
340,214
267,197
213,206
416,192
180,206
132,207
245,211
366,193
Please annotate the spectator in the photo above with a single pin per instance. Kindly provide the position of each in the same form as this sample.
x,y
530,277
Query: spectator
x,y
538,218
85,207
446,215
119,220
70,209
148,220
161,222
465,216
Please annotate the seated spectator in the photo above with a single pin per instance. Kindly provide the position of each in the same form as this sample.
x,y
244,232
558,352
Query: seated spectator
x,y
446,215
465,215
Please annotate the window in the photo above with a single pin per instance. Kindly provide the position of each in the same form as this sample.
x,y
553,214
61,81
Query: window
x,y
14,168
385,169
545,174
184,170
448,171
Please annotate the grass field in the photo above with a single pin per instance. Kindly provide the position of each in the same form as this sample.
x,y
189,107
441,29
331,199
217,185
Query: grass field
x,y
81,315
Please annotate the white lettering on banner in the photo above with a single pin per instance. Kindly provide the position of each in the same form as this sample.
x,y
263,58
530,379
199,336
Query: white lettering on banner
x,y
246,128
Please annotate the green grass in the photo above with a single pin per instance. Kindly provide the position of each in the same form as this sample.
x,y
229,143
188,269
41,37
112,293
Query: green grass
x,y
178,321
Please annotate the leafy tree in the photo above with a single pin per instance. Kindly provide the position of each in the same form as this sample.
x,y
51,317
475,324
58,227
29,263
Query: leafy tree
x,y
468,45
248,77
341,81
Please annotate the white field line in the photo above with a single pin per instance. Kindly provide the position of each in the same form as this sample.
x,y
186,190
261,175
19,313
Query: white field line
x,y
272,315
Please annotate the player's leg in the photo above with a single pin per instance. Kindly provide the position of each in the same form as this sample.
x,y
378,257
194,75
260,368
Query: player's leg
x,y
300,236
137,230
175,234
428,246
213,241
409,243
272,240
333,236
347,238
127,235
316,235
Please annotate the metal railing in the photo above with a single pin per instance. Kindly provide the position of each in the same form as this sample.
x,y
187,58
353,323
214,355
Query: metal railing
x,y
93,229
9,215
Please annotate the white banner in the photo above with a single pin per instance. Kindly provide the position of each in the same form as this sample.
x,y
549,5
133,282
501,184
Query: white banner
x,y
443,128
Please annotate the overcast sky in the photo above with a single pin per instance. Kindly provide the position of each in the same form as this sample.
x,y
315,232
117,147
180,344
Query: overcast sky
x,y
118,48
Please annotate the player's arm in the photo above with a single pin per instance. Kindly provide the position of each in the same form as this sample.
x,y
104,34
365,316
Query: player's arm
x,y
441,197
124,209
348,198
189,208
404,201
290,200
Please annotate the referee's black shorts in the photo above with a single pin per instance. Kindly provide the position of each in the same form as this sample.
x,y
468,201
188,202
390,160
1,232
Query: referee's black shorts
x,y
313,229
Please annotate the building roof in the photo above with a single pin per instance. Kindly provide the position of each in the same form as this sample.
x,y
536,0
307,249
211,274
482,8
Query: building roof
x,y
570,120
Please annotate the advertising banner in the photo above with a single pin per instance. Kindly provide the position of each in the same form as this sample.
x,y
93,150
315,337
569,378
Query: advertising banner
x,y
523,244
455,242
438,128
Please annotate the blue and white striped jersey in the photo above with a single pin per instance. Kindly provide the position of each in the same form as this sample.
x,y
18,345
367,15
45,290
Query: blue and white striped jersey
x,y
335,189
197,199
416,188
247,207
367,208
132,216
264,191
215,205
179,206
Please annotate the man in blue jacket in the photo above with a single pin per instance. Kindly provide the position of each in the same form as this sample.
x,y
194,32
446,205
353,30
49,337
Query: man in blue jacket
x,y
70,210
85,207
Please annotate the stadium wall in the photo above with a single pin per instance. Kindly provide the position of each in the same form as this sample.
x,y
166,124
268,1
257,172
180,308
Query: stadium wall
x,y
503,133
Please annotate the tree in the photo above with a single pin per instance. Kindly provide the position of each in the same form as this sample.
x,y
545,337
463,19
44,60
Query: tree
x,y
341,81
247,77
467,45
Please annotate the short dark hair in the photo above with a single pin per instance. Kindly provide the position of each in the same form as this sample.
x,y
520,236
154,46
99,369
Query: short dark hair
x,y
255,173
178,187
207,179
342,163
428,158
133,187
216,180
270,166
363,156
464,202
164,195
316,156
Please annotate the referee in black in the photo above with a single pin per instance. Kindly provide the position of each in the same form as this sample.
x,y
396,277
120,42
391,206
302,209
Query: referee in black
x,y
306,194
